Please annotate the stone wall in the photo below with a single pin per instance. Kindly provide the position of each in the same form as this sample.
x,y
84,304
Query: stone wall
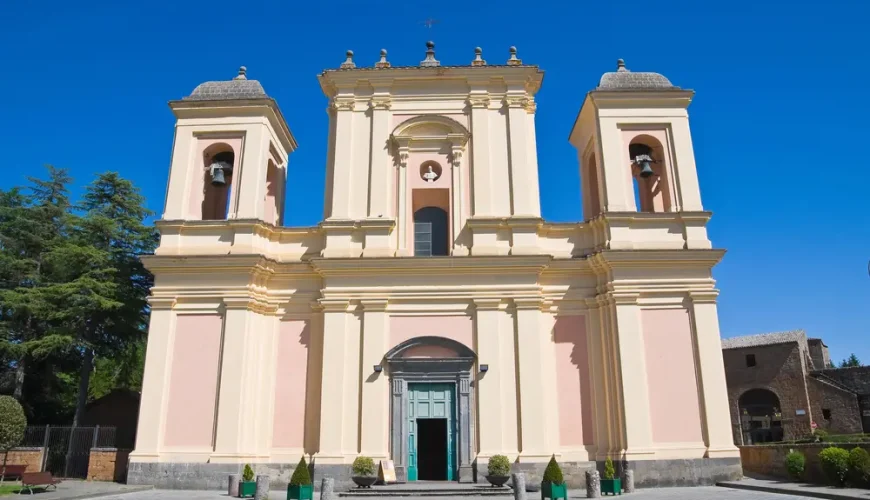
x,y
108,464
841,406
780,369
768,461
31,457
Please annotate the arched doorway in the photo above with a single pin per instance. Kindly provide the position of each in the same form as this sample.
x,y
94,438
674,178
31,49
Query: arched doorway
x,y
760,416
430,409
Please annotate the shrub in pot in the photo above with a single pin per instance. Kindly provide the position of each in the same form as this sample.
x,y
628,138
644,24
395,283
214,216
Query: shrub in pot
x,y
835,464
300,487
247,486
553,486
795,463
498,471
859,467
610,483
363,469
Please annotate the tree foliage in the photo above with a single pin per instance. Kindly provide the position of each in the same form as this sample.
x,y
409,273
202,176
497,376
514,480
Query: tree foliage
x,y
301,476
72,291
850,362
553,473
12,425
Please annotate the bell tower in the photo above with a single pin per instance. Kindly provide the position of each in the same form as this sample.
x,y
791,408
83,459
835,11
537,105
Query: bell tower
x,y
635,152
229,158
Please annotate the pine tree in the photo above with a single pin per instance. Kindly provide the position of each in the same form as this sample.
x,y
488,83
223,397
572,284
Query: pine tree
x,y
850,362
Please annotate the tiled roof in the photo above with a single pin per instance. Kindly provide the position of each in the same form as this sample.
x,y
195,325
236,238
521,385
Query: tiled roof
x,y
764,339
623,79
237,88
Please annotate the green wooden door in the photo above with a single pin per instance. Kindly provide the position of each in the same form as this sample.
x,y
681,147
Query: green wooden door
x,y
427,401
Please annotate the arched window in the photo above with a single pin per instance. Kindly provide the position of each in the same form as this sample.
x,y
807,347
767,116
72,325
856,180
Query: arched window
x,y
219,162
651,192
430,232
760,416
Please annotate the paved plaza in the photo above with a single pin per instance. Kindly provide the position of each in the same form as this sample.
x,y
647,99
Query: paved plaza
x,y
711,492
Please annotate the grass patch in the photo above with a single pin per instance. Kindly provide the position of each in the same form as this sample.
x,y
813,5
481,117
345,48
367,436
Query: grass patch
x,y
8,489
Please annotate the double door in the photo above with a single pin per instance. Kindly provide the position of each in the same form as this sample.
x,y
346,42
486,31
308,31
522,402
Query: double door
x,y
431,431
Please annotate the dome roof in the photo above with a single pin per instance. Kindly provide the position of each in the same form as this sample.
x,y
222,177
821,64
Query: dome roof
x,y
623,79
237,88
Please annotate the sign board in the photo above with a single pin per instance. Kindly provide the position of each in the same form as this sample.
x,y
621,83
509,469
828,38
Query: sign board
x,y
387,472
800,412
814,425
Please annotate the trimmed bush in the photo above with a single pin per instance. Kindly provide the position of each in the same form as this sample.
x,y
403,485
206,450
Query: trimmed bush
x,y
248,473
859,467
835,464
553,473
499,465
301,477
795,462
12,425
609,470
363,466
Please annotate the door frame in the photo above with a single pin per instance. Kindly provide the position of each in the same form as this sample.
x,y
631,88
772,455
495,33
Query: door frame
x,y
450,370
452,464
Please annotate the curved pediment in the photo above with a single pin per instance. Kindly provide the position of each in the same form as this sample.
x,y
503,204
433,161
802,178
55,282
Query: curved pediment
x,y
430,347
430,126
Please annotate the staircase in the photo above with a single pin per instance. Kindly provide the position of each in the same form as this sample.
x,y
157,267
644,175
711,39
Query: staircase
x,y
430,489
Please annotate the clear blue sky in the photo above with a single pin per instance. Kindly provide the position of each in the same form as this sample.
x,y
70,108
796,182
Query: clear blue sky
x,y
779,120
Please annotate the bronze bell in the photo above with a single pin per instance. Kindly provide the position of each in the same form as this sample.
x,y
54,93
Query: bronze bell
x,y
645,169
221,165
641,155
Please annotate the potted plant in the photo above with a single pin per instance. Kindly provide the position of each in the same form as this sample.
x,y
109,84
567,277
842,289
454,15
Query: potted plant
x,y
247,486
610,483
363,469
300,487
498,470
553,486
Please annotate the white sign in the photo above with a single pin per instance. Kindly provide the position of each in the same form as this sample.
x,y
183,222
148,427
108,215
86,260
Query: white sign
x,y
800,412
387,472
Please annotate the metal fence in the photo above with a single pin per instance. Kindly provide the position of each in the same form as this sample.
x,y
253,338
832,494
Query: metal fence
x,y
67,450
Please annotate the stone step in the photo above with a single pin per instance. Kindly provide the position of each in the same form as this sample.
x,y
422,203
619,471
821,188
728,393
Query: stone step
x,y
399,491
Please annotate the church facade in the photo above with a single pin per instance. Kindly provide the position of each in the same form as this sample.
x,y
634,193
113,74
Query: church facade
x,y
433,318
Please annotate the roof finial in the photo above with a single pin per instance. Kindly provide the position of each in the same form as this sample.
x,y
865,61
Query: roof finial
x,y
620,65
513,61
430,56
348,63
242,72
478,60
383,63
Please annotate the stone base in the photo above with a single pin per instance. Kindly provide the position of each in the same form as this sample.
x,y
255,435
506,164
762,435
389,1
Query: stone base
x,y
647,473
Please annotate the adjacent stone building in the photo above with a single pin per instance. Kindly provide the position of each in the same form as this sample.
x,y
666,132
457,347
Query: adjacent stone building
x,y
780,384
433,318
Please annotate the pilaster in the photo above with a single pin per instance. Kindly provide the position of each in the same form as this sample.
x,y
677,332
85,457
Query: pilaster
x,y
337,411
402,222
535,359
342,178
375,386
380,203
458,210
251,189
715,413
524,174
632,374
155,380
480,154
616,174
494,407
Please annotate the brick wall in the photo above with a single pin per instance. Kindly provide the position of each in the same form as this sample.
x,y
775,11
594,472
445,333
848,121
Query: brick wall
x,y
780,368
769,460
31,457
842,405
108,464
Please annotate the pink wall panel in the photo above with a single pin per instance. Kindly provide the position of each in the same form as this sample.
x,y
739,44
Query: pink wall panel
x,y
670,368
457,328
289,423
193,381
572,371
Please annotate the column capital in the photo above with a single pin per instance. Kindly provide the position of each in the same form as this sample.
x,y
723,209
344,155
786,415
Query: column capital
x,y
374,305
489,304
703,297
160,303
530,303
479,101
334,305
623,298
343,103
381,103
238,303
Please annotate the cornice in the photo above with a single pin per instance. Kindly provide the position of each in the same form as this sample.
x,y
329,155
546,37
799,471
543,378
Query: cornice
x,y
646,258
329,225
200,263
485,222
265,106
653,216
259,226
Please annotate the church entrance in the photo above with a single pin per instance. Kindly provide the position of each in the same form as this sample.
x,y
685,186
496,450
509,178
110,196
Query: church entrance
x,y
431,431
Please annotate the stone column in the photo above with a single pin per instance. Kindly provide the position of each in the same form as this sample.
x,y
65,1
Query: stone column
x,y
629,481
519,484
402,218
342,176
380,204
155,380
399,432
233,486
631,362
332,410
593,484
536,387
327,489
262,487
458,210
524,176
481,166
375,386
715,413
238,374
466,474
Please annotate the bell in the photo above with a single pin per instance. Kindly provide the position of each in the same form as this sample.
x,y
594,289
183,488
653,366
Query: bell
x,y
645,169
217,175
